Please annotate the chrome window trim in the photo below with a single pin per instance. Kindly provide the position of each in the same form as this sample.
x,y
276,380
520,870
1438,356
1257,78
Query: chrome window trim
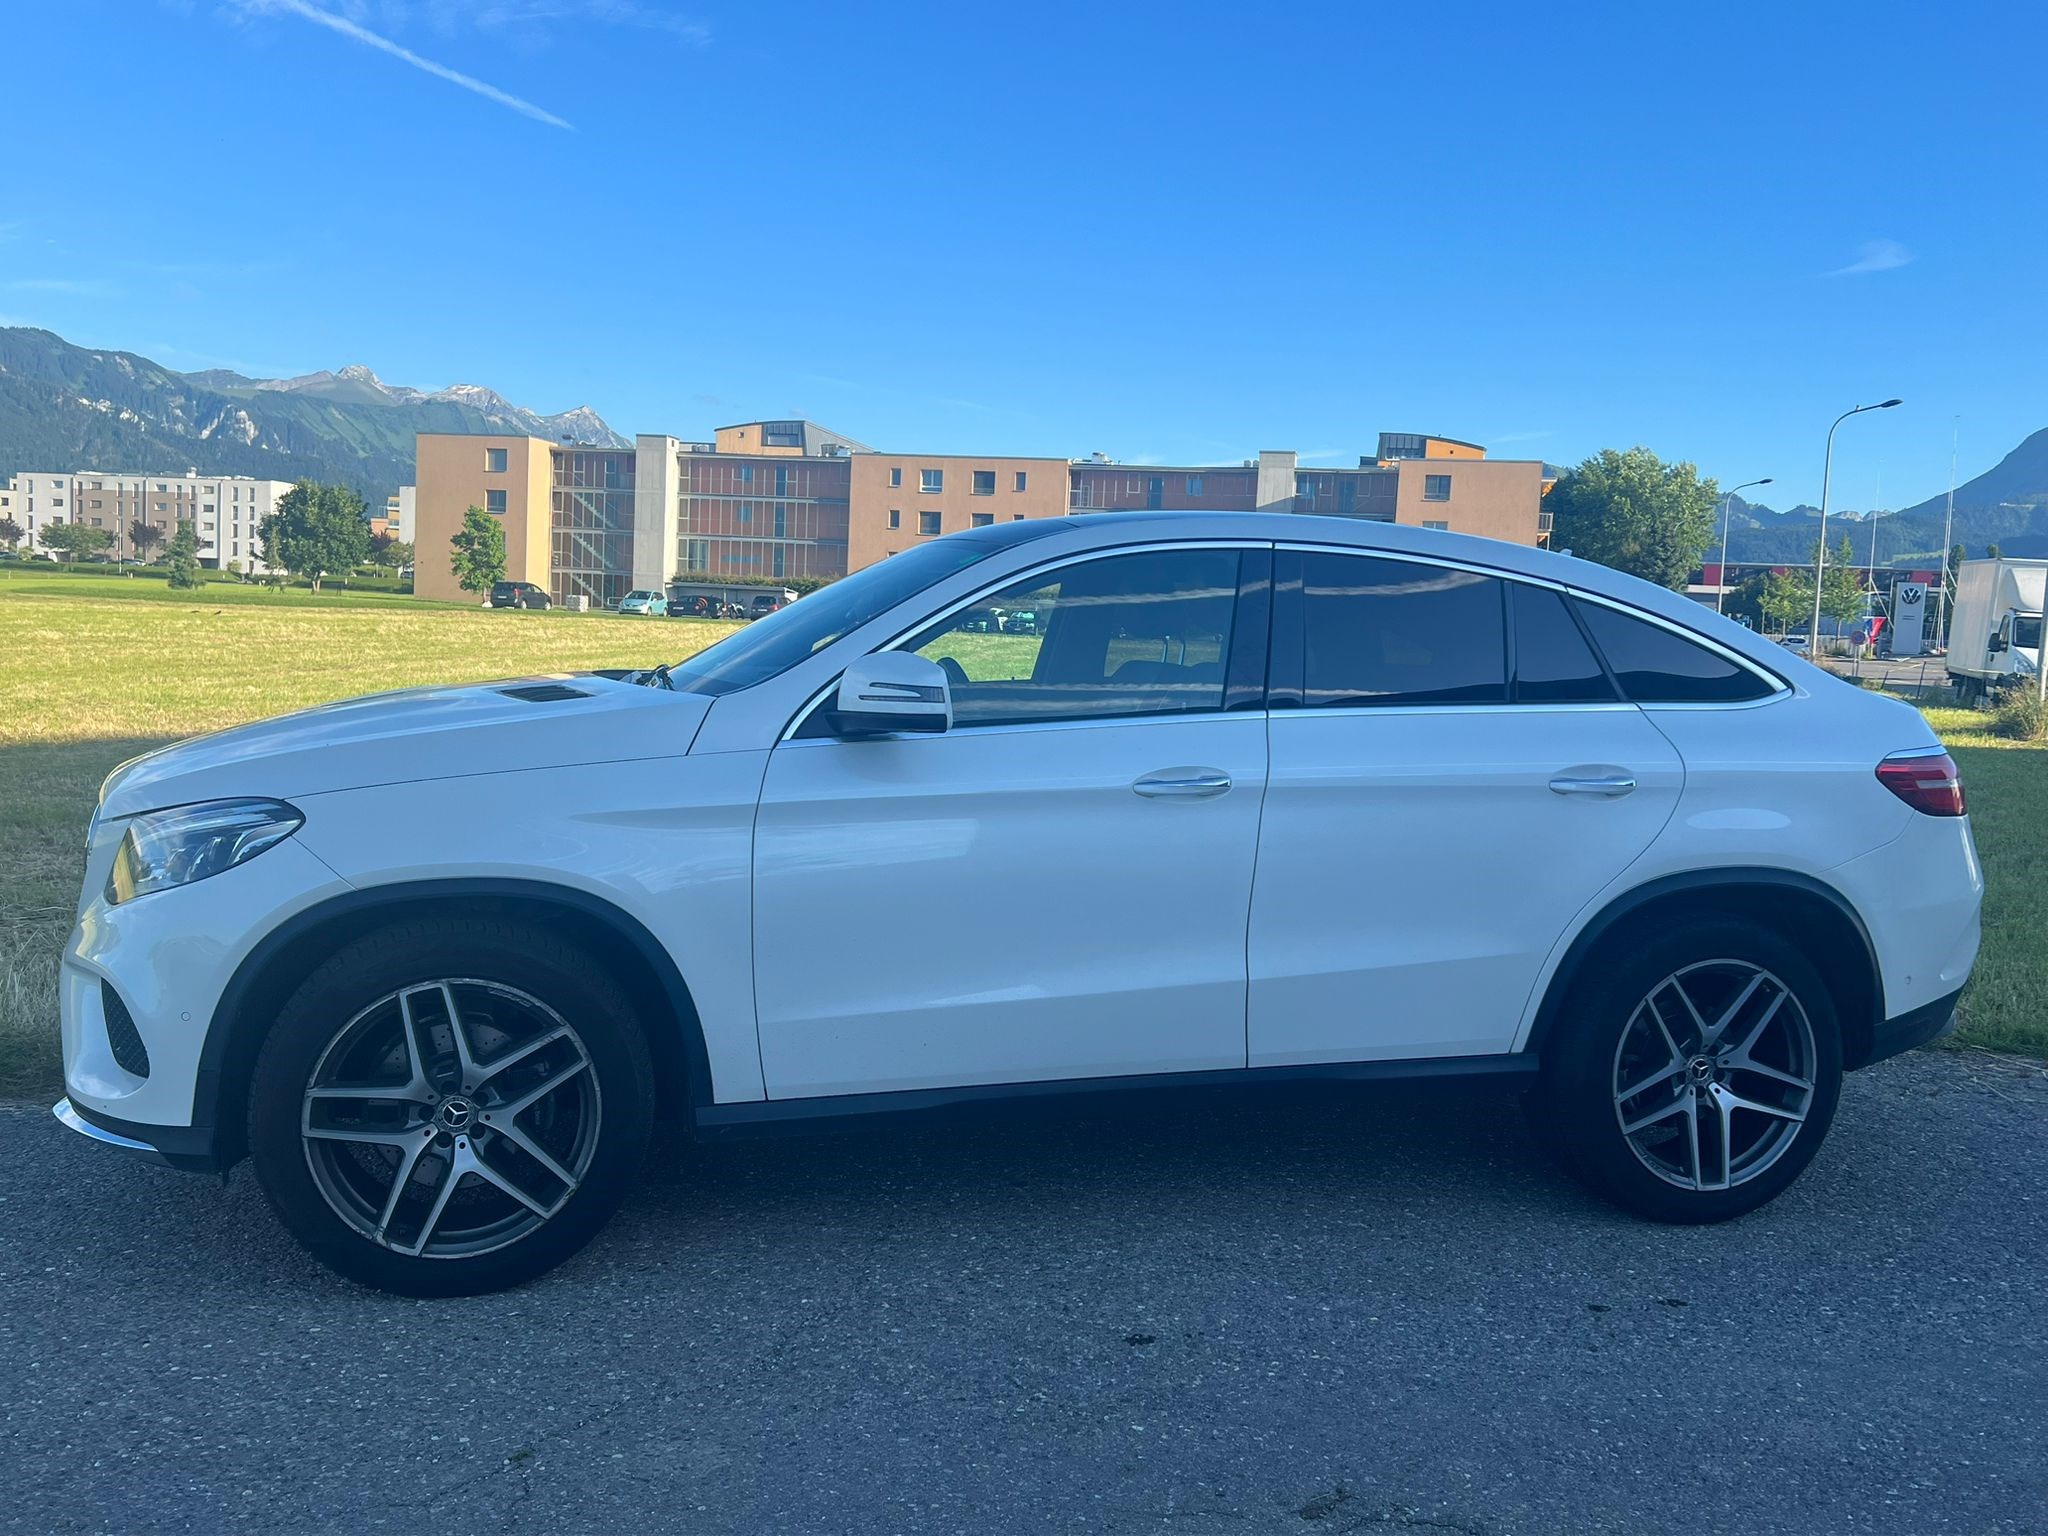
x,y
894,642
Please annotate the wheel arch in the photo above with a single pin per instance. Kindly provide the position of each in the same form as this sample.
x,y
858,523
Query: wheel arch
x,y
1809,911
281,959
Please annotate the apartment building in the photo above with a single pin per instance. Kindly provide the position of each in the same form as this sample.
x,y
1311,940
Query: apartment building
x,y
223,509
784,500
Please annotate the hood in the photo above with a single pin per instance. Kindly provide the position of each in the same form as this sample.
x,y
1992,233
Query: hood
x,y
413,735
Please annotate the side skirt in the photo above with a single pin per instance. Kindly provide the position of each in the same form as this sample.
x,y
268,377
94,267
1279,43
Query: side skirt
x,y
800,1116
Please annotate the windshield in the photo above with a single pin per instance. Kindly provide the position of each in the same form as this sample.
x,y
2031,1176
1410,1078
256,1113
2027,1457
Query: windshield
x,y
775,643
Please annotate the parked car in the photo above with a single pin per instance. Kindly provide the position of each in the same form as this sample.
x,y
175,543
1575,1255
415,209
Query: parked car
x,y
645,602
1512,814
1798,642
1021,622
519,594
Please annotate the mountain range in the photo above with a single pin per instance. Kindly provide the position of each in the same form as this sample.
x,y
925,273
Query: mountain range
x,y
71,407
2007,505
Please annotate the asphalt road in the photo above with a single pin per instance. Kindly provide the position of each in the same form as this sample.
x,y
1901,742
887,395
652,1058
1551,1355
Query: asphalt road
x,y
1364,1315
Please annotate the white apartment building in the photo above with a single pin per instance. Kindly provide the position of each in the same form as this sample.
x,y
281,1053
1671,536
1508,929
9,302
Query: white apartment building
x,y
223,509
398,512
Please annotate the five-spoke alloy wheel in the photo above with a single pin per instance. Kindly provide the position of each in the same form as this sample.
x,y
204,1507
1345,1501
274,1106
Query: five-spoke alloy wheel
x,y
451,1107
1692,1074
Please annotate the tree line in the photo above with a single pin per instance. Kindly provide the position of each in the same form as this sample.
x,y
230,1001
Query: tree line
x,y
316,531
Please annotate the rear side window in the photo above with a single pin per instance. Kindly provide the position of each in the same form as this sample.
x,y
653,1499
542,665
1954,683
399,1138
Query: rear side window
x,y
1553,663
1387,632
1655,666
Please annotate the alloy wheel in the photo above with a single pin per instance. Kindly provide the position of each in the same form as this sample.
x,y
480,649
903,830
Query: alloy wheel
x,y
451,1118
1714,1074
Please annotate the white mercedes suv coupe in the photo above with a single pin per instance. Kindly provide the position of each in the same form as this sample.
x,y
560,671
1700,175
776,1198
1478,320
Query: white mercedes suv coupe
x,y
1251,799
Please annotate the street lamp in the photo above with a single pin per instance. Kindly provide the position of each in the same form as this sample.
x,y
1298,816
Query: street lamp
x,y
1727,508
1820,555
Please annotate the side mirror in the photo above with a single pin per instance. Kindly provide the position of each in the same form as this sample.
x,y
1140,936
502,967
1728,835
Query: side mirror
x,y
892,691
1995,644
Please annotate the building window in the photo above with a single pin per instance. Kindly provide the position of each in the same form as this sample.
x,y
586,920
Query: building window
x,y
984,482
1016,517
931,480
744,512
494,503
1436,487
97,503
207,508
927,523
1194,485
983,519
895,477
895,517
1019,485
782,479
494,461
782,434
746,474
1439,526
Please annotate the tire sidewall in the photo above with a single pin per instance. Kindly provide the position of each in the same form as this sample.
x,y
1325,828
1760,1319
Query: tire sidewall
x,y
374,967
1574,1108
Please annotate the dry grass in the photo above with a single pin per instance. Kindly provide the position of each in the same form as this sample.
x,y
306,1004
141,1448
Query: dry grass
x,y
88,682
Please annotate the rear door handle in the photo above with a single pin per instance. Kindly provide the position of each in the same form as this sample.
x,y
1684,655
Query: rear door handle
x,y
1183,784
1602,786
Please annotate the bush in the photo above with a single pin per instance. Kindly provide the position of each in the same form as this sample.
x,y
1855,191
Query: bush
x,y
2020,714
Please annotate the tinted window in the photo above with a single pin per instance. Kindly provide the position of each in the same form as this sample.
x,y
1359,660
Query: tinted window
x,y
1379,632
1553,663
1138,634
1655,666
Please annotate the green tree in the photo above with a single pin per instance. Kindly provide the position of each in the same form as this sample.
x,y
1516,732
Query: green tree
x,y
389,551
1746,602
74,541
185,555
1786,599
1993,552
144,537
479,551
1842,597
316,529
11,532
1636,513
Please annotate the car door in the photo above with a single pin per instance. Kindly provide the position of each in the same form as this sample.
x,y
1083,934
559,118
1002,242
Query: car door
x,y
1454,774
1058,885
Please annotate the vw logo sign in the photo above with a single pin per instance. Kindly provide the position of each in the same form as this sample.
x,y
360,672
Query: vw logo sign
x,y
1912,592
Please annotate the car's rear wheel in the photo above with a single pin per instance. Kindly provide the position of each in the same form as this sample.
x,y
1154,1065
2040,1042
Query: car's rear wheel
x,y
1694,1075
450,1107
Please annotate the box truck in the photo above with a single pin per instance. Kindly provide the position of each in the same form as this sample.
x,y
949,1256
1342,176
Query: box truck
x,y
1994,631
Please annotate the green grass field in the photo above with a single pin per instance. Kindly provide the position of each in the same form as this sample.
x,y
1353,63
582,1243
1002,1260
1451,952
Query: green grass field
x,y
94,669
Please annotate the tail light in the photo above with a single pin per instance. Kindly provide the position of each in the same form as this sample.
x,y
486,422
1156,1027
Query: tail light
x,y
1927,781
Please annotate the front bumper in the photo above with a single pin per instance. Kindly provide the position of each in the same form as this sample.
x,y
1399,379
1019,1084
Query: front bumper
x,y
186,1148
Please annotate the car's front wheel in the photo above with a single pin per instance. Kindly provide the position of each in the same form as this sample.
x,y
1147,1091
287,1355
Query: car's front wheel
x,y
1694,1075
450,1107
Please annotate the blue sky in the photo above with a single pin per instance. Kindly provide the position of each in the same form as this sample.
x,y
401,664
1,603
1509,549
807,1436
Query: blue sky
x,y
1169,232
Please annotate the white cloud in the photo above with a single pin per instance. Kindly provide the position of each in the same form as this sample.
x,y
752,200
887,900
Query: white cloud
x,y
361,34
1875,256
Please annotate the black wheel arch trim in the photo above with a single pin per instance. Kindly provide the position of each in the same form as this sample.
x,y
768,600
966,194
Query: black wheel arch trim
x,y
230,1030
1699,881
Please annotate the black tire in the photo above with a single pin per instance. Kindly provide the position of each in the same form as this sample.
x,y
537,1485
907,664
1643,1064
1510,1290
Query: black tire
x,y
1574,1110
604,1105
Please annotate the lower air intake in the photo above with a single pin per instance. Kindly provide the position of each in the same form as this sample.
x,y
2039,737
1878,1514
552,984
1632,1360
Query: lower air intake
x,y
122,1036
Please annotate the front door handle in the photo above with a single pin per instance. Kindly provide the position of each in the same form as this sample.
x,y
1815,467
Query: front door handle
x,y
1602,786
1183,784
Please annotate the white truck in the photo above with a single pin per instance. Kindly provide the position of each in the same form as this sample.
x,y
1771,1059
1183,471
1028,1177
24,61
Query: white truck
x,y
1994,631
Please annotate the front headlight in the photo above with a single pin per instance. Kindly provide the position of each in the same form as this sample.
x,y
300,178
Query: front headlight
x,y
176,847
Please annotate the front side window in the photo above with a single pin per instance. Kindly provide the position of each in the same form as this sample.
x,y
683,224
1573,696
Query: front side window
x,y
1388,632
1656,666
1136,634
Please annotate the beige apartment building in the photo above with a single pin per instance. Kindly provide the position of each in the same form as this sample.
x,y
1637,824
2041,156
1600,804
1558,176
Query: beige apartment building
x,y
224,510
788,500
